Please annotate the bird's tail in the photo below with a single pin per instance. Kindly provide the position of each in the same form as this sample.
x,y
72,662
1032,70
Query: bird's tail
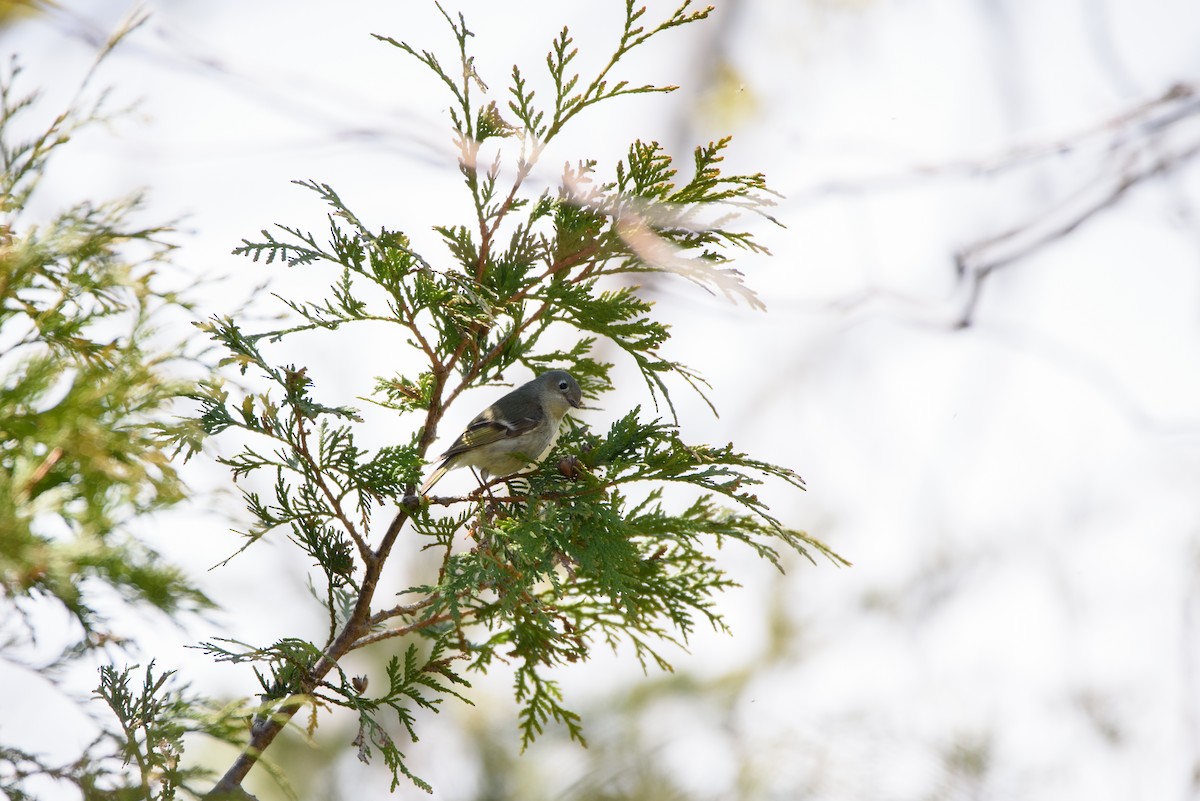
x,y
434,477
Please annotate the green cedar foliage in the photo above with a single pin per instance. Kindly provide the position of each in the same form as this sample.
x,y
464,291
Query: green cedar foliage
x,y
87,387
593,549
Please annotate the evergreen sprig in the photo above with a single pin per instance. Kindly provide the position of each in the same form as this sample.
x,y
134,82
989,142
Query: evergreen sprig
x,y
86,384
614,539
154,719
142,757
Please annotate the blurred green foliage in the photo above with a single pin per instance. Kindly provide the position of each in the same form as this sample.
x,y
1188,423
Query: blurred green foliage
x,y
88,385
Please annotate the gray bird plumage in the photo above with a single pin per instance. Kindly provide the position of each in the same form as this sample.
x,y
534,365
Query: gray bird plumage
x,y
516,430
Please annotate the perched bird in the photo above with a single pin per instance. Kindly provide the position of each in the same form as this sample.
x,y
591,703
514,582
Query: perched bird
x,y
516,430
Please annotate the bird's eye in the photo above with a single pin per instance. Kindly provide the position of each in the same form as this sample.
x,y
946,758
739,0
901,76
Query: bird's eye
x,y
562,385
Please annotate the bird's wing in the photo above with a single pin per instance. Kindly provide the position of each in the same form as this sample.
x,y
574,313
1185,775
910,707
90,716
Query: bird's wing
x,y
484,430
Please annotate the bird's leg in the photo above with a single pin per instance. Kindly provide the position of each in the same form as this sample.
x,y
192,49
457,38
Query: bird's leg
x,y
482,484
478,527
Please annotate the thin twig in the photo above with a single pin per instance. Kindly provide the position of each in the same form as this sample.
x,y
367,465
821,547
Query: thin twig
x,y
318,478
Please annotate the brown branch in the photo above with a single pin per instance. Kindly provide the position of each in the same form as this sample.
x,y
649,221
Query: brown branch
x,y
410,322
397,611
379,636
266,729
1178,102
318,478
450,500
436,409
981,259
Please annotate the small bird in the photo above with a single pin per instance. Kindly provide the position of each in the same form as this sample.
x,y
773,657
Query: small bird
x,y
516,430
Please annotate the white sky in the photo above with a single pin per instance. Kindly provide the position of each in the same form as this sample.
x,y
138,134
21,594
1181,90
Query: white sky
x,y
1019,498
